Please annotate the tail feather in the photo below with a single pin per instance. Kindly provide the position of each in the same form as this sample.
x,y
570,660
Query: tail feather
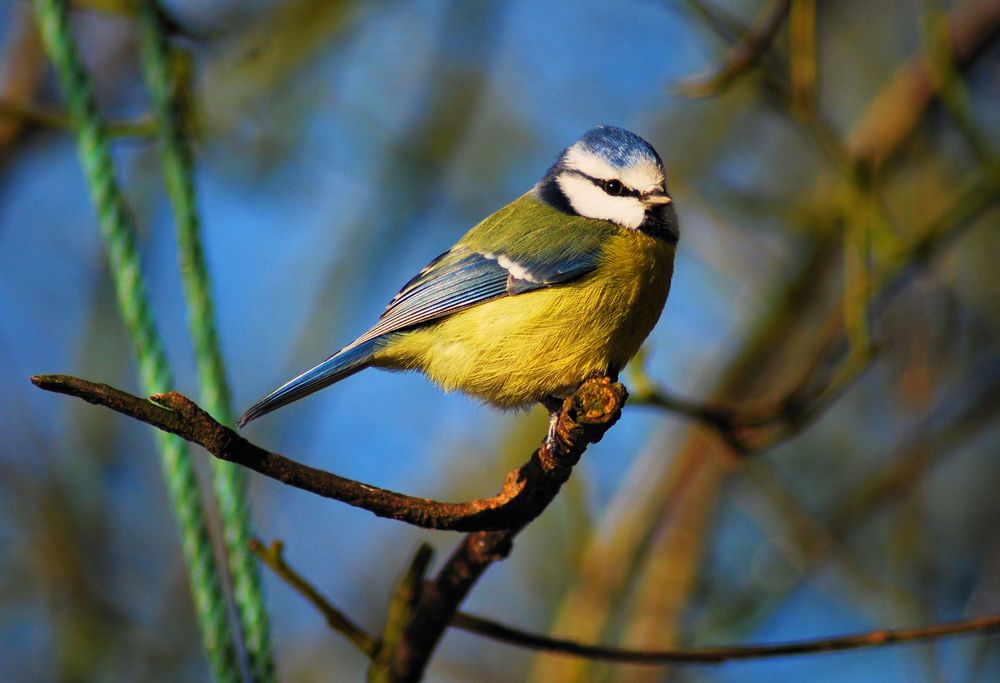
x,y
335,368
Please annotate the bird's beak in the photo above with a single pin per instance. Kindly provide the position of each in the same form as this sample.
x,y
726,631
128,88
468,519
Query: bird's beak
x,y
656,197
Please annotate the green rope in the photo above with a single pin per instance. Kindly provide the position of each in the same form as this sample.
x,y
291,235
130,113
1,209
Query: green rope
x,y
119,236
229,479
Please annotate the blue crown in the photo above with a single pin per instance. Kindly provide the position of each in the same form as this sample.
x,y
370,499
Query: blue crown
x,y
619,147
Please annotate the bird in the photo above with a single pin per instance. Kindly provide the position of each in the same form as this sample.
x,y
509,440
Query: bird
x,y
561,285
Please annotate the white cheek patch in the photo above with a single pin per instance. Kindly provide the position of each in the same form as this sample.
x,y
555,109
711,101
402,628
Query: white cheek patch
x,y
591,201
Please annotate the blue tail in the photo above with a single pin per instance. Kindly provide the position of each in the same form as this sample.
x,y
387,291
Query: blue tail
x,y
335,368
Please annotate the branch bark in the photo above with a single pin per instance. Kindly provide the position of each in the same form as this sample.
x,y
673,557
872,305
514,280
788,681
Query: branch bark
x,y
586,416
526,491
272,556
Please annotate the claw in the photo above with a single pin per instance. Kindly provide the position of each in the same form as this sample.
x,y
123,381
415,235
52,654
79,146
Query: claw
x,y
550,437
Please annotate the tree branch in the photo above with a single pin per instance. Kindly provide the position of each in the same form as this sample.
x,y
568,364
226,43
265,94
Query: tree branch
x,y
894,114
983,625
744,54
273,556
526,491
714,655
832,367
749,431
15,111
586,416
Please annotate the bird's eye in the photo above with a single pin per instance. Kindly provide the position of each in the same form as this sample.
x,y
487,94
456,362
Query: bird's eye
x,y
612,187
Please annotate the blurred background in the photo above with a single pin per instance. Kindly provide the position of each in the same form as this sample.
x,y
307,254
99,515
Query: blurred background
x,y
812,444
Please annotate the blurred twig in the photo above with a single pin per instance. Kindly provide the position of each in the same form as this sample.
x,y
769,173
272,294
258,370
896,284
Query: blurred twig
x,y
659,596
941,68
122,8
140,128
961,416
60,563
894,114
802,55
750,432
862,217
764,358
273,555
743,56
22,63
402,611
804,539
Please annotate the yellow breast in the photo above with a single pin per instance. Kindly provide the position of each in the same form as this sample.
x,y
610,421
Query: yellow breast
x,y
515,350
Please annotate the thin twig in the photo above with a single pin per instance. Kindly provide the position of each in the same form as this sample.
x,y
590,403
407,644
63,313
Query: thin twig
x,y
524,493
948,84
273,556
818,388
802,56
743,56
714,655
22,63
893,116
959,417
751,432
140,127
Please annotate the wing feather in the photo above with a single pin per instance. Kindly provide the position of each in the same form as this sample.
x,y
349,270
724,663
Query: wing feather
x,y
462,278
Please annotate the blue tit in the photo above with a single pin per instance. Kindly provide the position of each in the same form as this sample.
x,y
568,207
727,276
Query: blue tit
x,y
562,284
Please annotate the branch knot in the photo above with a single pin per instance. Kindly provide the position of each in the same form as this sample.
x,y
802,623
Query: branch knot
x,y
589,412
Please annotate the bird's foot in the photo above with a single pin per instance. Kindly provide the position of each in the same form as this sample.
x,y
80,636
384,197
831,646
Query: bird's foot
x,y
554,406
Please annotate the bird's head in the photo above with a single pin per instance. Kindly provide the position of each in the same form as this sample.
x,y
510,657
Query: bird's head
x,y
614,175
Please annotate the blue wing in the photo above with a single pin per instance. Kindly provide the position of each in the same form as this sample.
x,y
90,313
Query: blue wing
x,y
462,277
455,280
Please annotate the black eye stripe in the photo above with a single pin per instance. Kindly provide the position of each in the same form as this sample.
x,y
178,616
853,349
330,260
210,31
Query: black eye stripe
x,y
602,183
622,190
